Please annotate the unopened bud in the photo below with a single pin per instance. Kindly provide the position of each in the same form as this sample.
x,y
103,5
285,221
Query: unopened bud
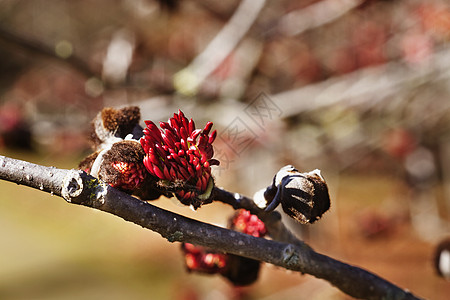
x,y
303,196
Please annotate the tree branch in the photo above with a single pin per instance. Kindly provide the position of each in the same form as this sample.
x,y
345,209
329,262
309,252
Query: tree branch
x,y
190,78
315,15
272,220
77,187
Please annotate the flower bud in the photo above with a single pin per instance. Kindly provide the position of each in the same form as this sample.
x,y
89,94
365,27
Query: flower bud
x,y
303,196
238,270
118,158
180,156
121,167
243,221
113,124
202,260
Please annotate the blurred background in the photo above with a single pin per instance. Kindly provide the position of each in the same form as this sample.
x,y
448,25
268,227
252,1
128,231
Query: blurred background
x,y
359,89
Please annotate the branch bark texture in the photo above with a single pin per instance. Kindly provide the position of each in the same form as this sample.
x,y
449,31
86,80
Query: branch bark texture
x,y
80,188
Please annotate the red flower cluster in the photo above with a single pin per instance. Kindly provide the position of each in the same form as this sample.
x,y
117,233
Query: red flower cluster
x,y
133,175
247,223
238,270
199,259
182,154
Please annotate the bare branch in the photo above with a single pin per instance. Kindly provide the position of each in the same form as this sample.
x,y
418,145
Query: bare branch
x,y
190,78
315,15
77,187
364,88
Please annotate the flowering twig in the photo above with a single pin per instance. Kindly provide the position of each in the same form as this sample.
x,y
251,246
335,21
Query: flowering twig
x,y
77,187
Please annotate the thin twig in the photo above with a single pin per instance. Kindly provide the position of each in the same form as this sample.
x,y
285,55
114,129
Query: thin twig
x,y
77,187
315,15
364,88
272,220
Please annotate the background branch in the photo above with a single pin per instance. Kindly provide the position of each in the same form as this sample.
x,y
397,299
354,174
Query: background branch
x,y
79,188
315,15
220,47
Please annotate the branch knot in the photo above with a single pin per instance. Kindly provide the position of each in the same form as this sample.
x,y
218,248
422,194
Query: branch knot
x,y
290,256
76,183
72,185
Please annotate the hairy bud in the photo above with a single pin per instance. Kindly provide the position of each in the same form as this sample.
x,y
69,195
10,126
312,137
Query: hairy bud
x,y
303,196
112,124
118,157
